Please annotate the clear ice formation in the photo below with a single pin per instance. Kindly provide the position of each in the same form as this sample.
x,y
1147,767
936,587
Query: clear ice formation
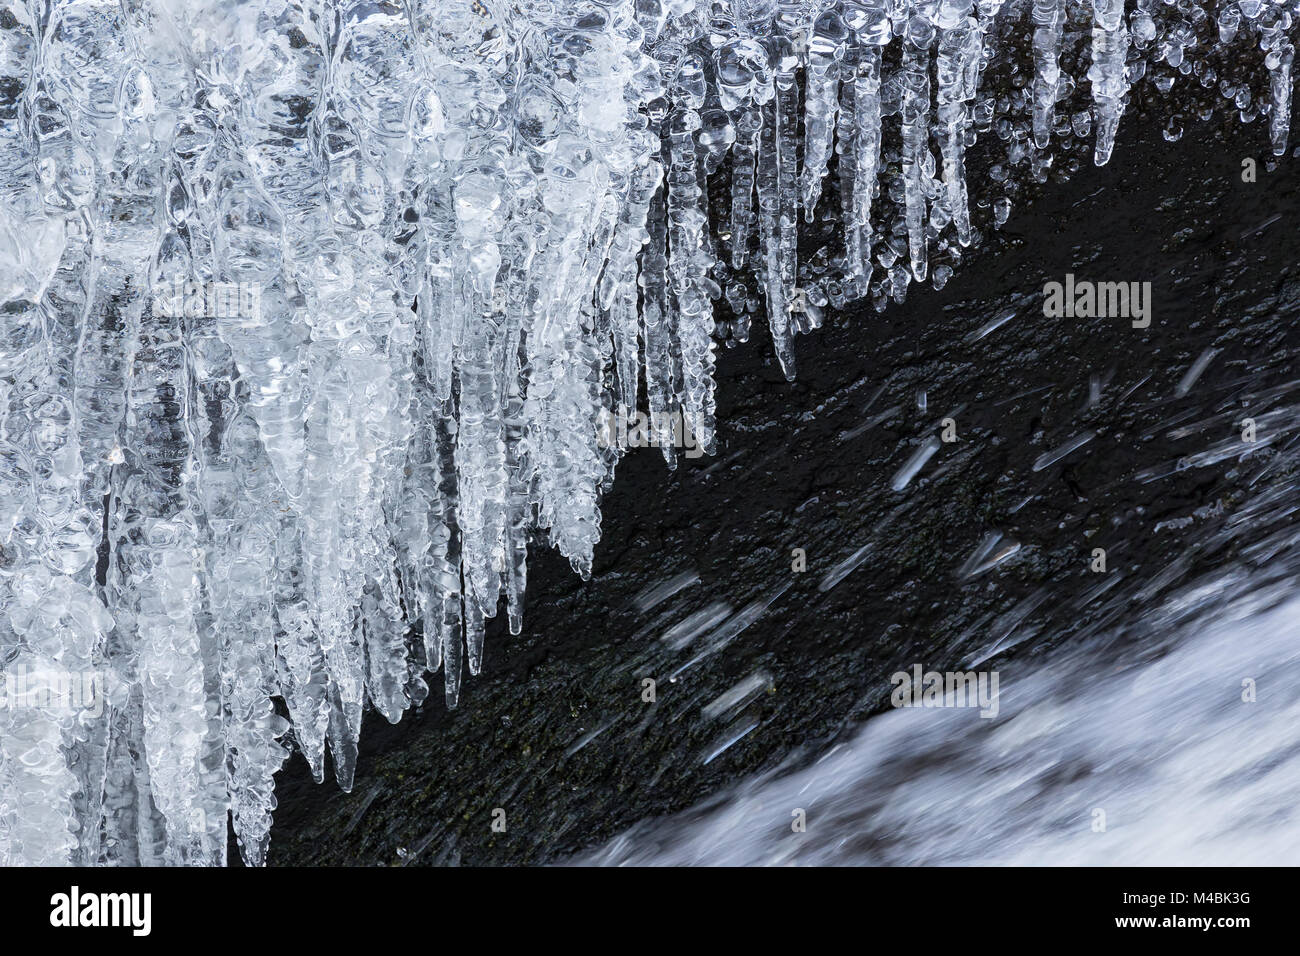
x,y
309,309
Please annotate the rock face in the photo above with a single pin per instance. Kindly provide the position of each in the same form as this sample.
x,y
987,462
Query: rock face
x,y
1071,434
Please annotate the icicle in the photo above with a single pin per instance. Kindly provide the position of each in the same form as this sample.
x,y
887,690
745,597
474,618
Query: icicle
x,y
447,618
959,54
481,463
1279,121
660,323
689,263
618,293
846,148
916,136
829,37
769,185
1049,19
742,184
743,86
786,60
866,141
1109,86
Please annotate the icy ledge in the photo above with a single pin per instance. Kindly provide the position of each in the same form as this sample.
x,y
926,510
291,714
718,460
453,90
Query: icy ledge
x,y
312,312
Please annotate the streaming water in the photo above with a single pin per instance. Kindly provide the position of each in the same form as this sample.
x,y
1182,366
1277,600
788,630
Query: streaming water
x,y
1135,746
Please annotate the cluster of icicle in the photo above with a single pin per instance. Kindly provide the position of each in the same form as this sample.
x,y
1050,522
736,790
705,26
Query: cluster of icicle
x,y
444,235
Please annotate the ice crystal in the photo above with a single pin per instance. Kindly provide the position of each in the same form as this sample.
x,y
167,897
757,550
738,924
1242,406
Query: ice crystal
x,y
310,311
